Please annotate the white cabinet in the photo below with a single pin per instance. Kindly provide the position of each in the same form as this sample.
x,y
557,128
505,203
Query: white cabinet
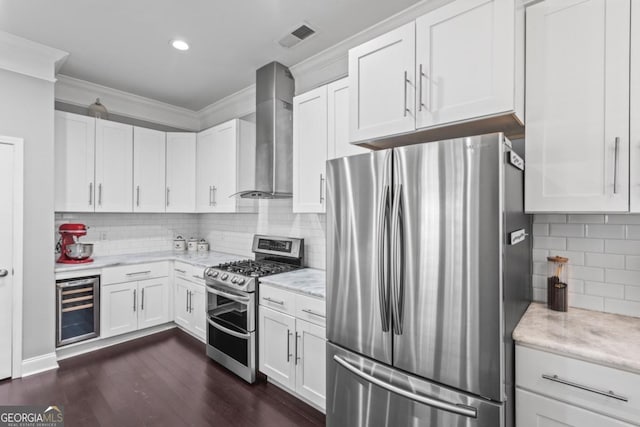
x,y
149,160
464,61
381,73
309,150
338,121
154,302
292,350
114,166
189,299
74,162
577,131
634,132
181,172
455,71
218,177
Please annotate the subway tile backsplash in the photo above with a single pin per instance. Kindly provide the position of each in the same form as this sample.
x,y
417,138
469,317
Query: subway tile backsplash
x,y
604,258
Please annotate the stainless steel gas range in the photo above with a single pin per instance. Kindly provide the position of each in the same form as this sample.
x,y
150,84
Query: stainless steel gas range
x,y
231,301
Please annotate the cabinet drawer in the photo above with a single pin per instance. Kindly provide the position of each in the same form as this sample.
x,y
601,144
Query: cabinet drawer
x,y
189,272
311,309
129,273
581,383
278,299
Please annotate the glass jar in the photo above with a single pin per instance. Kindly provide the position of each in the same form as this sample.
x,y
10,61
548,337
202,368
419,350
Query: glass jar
x,y
557,283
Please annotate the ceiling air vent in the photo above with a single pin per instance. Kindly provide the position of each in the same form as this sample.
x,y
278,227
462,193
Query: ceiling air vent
x,y
296,36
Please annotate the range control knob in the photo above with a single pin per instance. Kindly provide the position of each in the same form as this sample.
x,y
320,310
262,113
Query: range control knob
x,y
241,281
214,274
234,280
225,276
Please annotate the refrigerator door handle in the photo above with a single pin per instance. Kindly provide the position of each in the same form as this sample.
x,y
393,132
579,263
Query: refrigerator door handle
x,y
383,286
456,408
397,276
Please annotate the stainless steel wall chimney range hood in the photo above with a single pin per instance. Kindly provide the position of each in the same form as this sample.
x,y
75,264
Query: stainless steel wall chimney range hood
x,y
274,134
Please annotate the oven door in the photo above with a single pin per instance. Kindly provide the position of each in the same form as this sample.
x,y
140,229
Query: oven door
x,y
231,309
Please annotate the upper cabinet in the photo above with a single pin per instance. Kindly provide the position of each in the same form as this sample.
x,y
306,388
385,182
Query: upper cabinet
x,y
181,172
634,141
114,166
577,134
218,176
149,158
457,70
75,138
338,121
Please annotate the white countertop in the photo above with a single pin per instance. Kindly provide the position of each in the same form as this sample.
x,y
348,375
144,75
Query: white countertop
x,y
603,338
308,281
202,259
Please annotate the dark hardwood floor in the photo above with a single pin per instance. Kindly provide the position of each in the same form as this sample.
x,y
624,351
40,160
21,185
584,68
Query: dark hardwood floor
x,y
161,380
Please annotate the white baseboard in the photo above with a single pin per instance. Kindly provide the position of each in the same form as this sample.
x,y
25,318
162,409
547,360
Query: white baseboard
x,y
35,365
98,343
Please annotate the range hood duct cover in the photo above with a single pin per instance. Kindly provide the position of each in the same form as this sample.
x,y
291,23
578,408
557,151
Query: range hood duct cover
x,y
274,134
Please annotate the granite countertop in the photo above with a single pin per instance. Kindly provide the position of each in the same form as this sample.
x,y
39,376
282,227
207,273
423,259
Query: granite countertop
x,y
200,259
308,281
603,338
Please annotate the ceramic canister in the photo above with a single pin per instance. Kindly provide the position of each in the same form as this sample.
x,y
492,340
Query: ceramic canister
x,y
179,244
203,245
192,244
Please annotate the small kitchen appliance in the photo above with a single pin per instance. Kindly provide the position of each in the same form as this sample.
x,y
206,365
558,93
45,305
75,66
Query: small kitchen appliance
x,y
231,301
71,250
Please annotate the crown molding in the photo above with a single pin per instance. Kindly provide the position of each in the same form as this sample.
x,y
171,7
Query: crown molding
x,y
82,93
236,105
29,58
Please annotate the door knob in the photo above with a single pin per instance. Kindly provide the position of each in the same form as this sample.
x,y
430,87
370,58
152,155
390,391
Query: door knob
x,y
3,272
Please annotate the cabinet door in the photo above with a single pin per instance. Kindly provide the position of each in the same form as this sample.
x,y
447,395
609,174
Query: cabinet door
x,y
465,61
75,138
634,143
381,81
198,311
153,302
206,162
533,410
181,300
311,363
338,121
225,139
114,166
181,172
577,105
149,161
309,150
276,346
118,309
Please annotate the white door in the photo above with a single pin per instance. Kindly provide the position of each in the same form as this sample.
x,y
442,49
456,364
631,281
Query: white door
x,y
311,364
533,410
149,161
181,172
276,346
225,142
6,258
114,166
382,85
206,162
309,150
181,303
198,311
577,105
338,121
465,61
634,142
153,302
118,309
75,137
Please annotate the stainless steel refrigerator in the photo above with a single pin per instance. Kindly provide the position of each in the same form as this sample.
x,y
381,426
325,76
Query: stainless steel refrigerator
x,y
428,272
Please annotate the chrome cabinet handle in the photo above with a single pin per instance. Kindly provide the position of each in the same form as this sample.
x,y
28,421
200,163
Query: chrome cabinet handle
x,y
273,300
142,300
90,193
195,276
609,393
180,271
4,272
134,300
314,313
210,197
187,308
289,345
138,196
215,192
616,160
321,185
100,194
456,408
167,196
405,95
420,74
190,302
139,272
297,357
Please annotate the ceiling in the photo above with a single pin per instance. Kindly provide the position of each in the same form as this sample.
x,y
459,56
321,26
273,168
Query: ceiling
x,y
124,44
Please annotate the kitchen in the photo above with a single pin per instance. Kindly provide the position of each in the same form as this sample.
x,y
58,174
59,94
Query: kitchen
x,y
451,69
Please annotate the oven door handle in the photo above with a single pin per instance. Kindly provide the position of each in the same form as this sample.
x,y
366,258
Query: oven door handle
x,y
228,295
244,336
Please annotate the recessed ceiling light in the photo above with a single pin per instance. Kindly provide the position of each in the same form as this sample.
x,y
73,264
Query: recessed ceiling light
x,y
180,44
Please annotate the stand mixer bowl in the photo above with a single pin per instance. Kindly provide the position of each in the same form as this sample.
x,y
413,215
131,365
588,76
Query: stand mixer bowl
x,y
79,251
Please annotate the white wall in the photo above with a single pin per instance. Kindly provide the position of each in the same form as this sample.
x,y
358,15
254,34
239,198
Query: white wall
x,y
604,258
26,111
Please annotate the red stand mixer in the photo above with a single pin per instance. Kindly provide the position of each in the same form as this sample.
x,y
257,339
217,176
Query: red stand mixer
x,y
71,250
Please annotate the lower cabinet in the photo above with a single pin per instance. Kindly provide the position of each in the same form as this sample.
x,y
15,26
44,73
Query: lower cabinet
x,y
129,306
292,353
189,307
